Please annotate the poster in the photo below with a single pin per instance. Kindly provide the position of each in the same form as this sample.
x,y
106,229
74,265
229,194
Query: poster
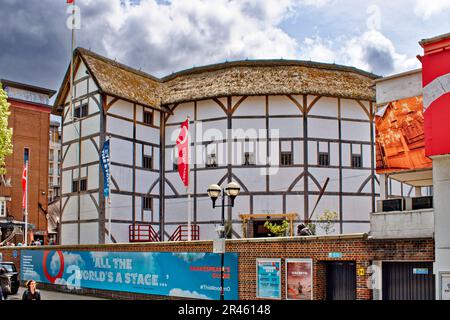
x,y
445,285
187,275
400,136
268,282
299,282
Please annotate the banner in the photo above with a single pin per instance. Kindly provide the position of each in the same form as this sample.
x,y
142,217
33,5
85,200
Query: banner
x,y
268,282
183,151
104,162
400,136
299,283
186,275
25,179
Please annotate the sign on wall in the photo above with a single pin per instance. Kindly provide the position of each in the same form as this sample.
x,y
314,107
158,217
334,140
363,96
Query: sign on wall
x,y
400,136
299,281
187,275
268,282
444,285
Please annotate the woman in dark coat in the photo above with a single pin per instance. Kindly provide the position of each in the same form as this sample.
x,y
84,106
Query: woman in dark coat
x,y
31,293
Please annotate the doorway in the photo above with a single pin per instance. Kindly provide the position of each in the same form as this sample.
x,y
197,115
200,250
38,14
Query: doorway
x,y
341,280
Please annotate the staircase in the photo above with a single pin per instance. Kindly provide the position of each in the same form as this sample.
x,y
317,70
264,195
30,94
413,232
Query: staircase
x,y
142,233
181,233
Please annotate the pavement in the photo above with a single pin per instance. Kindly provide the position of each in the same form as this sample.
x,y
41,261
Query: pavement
x,y
53,295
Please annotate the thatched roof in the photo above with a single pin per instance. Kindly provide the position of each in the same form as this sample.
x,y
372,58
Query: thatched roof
x,y
272,77
114,79
239,78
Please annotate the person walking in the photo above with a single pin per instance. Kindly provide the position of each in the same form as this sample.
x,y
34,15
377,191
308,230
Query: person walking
x,y
31,293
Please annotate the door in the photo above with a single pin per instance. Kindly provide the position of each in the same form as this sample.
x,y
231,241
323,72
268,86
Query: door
x,y
341,280
408,281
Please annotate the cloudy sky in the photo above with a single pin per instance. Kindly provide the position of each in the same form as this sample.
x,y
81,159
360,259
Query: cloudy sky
x,y
164,36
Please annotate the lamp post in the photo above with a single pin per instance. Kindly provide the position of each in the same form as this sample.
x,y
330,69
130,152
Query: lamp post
x,y
214,191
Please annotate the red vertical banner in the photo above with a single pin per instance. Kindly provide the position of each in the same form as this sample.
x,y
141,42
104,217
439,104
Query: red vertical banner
x,y
24,185
183,152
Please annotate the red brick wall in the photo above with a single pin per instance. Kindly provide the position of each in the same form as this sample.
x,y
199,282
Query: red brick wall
x,y
353,248
31,125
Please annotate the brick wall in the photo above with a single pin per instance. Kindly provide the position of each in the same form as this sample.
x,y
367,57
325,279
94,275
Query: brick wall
x,y
353,248
31,125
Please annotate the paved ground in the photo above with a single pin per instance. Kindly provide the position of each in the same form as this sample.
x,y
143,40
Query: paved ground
x,y
51,295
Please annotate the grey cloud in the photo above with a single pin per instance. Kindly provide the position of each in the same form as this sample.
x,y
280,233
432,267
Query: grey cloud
x,y
35,42
379,60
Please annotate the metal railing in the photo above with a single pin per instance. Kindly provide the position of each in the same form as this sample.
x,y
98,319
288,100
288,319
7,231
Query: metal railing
x,y
181,233
143,233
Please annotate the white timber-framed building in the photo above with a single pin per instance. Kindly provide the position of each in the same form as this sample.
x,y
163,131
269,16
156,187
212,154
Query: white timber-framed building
x,y
323,114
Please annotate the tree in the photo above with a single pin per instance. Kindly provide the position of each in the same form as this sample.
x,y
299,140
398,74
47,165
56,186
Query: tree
x,y
5,132
327,221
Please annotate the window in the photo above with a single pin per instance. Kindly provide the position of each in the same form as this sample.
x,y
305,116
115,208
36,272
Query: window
x,y
59,155
147,162
147,203
83,184
356,161
212,161
75,186
2,208
79,185
286,158
324,159
148,117
175,165
51,169
81,111
249,159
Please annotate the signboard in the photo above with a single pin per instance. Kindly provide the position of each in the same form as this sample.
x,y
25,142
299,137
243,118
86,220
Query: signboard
x,y
420,271
335,255
187,275
299,281
444,283
400,136
268,282
361,272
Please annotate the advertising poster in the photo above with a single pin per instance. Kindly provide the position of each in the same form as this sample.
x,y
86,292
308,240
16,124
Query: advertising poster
x,y
268,278
299,283
445,285
400,136
187,275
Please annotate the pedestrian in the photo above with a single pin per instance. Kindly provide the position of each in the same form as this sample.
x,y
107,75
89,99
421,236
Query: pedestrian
x,y
31,293
5,284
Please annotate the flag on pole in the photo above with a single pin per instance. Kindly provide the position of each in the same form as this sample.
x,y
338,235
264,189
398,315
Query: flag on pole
x,y
24,185
183,151
104,161
70,1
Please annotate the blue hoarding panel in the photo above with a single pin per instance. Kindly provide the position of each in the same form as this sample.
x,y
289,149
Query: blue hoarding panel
x,y
188,275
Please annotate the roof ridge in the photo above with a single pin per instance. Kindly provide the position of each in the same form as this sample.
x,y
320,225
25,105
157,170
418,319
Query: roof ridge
x,y
120,65
270,63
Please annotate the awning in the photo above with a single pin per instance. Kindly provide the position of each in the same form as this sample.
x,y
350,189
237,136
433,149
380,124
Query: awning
x,y
4,223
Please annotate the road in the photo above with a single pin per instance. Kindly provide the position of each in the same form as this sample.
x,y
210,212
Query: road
x,y
52,295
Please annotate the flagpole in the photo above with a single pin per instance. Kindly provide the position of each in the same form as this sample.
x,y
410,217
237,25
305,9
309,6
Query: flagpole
x,y
72,47
188,190
26,204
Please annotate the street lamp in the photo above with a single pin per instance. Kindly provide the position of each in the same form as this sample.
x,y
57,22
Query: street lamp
x,y
214,191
